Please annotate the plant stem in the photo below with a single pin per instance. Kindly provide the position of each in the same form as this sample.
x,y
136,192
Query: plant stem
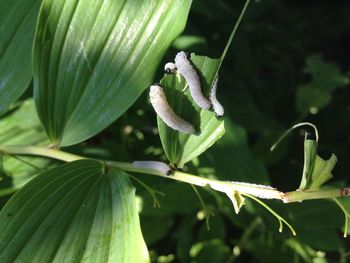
x,y
227,187
40,151
234,30
221,186
346,214
298,196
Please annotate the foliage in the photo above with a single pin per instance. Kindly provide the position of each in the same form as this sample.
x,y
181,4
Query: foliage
x,y
80,211
92,62
17,27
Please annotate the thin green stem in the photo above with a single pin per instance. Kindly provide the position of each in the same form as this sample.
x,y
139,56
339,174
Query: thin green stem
x,y
298,196
227,187
207,213
249,231
291,129
150,190
40,151
347,254
26,162
280,219
234,30
346,215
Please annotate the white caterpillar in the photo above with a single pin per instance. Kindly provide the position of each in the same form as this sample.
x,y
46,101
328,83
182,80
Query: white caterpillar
x,y
153,165
261,186
166,113
185,68
258,190
217,107
170,67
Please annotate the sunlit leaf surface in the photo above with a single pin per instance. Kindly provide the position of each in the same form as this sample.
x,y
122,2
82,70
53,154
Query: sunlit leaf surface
x,y
17,27
77,212
92,59
21,127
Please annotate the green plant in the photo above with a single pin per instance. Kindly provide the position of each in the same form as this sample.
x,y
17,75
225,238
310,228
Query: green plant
x,y
91,60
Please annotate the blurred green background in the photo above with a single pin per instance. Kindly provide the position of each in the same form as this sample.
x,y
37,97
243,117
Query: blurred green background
x,y
288,63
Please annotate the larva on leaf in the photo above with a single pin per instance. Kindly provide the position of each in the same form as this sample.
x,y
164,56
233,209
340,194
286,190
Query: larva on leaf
x,y
166,113
217,107
169,68
258,190
154,165
185,68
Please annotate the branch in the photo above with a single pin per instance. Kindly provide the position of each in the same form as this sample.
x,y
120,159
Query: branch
x,y
227,187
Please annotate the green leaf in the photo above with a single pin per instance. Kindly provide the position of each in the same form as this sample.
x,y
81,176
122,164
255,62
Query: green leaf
x,y
316,171
187,41
92,60
17,27
237,200
21,127
322,171
310,154
179,147
326,78
77,212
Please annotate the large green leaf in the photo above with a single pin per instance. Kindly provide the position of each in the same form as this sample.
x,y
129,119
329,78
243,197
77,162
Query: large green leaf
x,y
21,127
92,59
17,27
78,212
179,147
